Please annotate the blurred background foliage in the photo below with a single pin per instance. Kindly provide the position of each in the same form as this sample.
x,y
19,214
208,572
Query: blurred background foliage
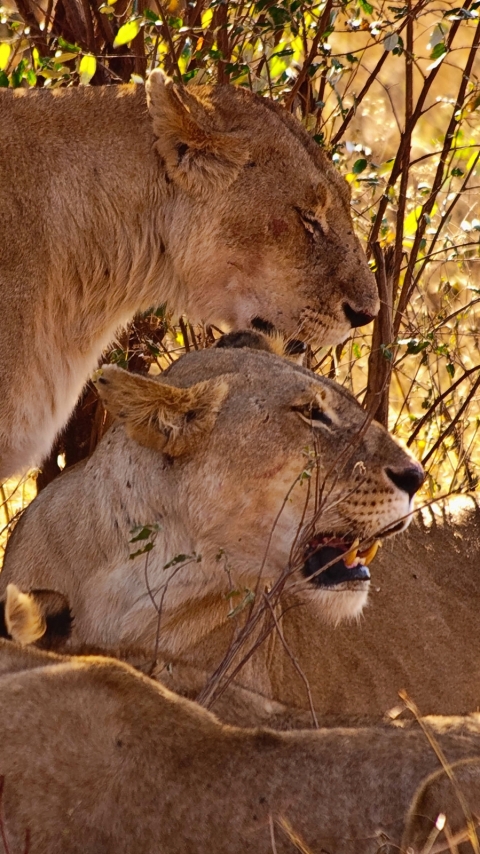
x,y
392,92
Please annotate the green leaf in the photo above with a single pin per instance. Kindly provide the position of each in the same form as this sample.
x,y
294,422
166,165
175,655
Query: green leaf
x,y
457,173
438,50
127,32
5,51
147,548
414,346
399,11
143,534
68,45
359,166
451,369
386,352
17,75
87,68
365,7
180,559
3,80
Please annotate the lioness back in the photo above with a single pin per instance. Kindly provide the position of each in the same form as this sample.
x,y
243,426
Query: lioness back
x,y
97,759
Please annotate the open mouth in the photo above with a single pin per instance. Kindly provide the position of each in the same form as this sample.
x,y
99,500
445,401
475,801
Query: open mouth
x,y
330,561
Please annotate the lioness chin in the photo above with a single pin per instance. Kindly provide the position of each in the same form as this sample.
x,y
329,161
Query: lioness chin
x,y
234,474
210,199
96,758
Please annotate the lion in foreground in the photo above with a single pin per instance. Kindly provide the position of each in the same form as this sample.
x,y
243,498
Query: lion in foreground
x,y
445,813
98,759
236,476
211,199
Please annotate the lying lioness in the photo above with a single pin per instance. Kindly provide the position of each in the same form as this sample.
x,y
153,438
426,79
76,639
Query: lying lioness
x,y
211,199
240,471
97,759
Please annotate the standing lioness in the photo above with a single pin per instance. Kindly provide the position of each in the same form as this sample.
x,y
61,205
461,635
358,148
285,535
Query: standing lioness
x,y
211,199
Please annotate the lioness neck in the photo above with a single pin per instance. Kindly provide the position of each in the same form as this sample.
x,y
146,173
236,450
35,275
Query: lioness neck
x,y
96,223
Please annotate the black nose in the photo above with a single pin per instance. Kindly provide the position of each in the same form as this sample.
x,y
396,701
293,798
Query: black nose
x,y
408,479
357,318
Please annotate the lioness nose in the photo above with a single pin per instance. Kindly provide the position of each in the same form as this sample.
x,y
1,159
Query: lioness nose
x,y
408,479
357,318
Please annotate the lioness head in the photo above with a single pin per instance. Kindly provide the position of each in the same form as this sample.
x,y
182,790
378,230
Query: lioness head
x,y
270,225
275,468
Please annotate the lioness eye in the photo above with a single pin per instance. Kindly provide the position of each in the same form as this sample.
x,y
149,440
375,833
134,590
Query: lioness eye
x,y
313,413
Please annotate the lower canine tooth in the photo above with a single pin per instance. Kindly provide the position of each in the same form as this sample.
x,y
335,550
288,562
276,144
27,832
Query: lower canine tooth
x,y
370,553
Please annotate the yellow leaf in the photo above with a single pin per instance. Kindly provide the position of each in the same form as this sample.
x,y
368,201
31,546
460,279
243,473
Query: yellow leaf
x,y
5,51
385,168
411,222
207,18
127,32
87,68
470,161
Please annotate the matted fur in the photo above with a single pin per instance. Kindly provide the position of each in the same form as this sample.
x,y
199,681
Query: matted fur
x,y
234,500
113,202
97,758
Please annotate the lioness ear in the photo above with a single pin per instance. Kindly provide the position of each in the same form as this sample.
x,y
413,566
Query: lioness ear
x,y
39,615
168,419
23,618
197,153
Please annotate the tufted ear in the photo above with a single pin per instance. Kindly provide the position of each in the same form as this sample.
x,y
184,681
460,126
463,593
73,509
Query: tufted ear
x,y
23,618
39,615
168,419
198,154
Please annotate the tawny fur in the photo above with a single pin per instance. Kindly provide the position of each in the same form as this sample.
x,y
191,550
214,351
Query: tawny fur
x,y
97,758
452,794
220,504
113,202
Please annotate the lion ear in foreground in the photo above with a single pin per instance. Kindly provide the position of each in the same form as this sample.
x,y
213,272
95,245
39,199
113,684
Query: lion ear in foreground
x,y
23,618
168,419
196,154
39,615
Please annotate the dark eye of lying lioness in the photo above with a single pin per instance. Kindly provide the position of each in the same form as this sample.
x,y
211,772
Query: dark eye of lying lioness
x,y
312,412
